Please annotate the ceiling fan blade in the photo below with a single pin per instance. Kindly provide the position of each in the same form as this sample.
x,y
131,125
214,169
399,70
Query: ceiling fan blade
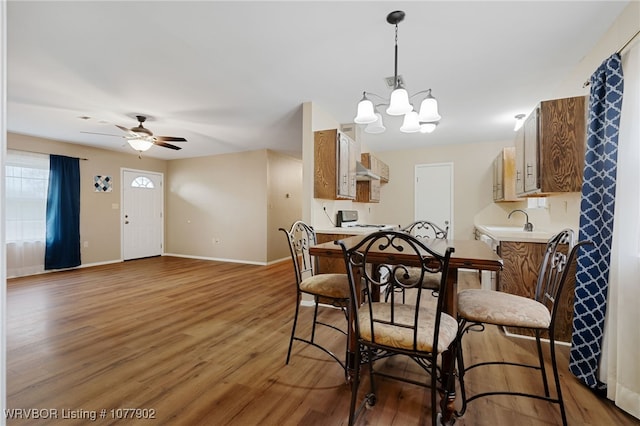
x,y
128,131
170,139
103,134
166,145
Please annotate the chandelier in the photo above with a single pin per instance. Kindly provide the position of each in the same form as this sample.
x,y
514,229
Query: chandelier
x,y
424,121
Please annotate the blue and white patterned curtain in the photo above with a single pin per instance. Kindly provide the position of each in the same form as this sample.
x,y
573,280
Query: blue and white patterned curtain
x,y
596,221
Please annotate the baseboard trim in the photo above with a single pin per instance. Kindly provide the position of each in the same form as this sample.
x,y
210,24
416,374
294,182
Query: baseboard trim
x,y
218,259
520,336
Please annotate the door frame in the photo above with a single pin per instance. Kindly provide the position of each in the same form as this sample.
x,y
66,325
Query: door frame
x,y
122,206
450,235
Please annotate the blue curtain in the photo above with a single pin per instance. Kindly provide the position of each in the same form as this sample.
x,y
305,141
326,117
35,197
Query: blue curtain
x,y
62,248
596,221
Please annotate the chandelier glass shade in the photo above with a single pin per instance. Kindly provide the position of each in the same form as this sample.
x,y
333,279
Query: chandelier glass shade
x,y
377,126
399,103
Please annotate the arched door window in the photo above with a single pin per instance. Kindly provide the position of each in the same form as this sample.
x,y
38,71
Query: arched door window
x,y
142,182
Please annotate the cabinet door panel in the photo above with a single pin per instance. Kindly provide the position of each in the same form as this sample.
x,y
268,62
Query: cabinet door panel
x,y
498,178
325,177
520,161
354,156
344,183
531,152
563,133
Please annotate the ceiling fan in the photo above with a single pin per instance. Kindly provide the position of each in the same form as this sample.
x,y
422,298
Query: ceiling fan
x,y
141,139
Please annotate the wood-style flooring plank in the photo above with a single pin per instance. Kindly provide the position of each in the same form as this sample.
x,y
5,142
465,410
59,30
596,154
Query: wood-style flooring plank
x,y
204,343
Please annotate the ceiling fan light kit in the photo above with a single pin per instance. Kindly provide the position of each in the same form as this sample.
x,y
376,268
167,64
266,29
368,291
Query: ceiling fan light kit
x,y
140,145
424,121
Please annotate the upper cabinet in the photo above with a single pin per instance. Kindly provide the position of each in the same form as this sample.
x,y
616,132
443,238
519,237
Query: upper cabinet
x,y
368,190
504,176
550,148
335,156
376,165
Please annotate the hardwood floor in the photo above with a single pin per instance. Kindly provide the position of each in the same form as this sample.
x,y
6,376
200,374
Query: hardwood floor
x,y
201,342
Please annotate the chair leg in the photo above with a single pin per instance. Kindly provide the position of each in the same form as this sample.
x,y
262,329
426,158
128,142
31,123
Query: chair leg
x,y
347,354
542,366
373,389
556,377
461,370
434,387
354,389
293,329
315,320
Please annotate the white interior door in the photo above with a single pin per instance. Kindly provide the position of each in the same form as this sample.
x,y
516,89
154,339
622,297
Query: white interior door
x,y
142,216
434,194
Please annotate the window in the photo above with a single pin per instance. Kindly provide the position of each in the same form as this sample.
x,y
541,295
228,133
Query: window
x,y
142,182
27,180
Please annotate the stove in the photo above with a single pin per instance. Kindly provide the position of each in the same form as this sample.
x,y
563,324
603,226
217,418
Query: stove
x,y
349,219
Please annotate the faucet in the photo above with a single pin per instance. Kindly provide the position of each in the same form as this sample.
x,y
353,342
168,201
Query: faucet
x,y
528,226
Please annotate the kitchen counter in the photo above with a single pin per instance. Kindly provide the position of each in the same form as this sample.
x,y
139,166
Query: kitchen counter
x,y
512,233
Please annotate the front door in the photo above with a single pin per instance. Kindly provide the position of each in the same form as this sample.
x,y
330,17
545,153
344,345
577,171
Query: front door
x,y
142,218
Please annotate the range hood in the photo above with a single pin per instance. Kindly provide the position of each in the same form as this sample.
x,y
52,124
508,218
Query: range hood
x,y
362,173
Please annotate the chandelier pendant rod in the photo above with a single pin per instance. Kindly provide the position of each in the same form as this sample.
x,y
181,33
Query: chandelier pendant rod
x,y
395,69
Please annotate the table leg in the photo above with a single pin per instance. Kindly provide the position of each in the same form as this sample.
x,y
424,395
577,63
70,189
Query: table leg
x,y
352,345
447,405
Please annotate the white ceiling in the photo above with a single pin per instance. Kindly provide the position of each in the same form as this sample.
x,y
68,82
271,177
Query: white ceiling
x,y
231,76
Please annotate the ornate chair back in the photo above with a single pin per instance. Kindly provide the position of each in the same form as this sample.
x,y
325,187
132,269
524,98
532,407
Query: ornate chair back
x,y
426,229
301,237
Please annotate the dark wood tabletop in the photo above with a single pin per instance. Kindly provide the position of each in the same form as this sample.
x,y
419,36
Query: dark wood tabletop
x,y
471,254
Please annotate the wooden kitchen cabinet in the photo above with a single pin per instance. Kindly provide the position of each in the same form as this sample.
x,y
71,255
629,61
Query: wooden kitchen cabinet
x,y
376,165
519,276
329,265
368,191
504,176
335,156
550,148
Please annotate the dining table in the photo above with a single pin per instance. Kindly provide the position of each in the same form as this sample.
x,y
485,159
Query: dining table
x,y
467,254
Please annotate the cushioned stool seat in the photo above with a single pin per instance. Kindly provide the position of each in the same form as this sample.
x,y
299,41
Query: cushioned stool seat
x,y
327,285
501,308
402,337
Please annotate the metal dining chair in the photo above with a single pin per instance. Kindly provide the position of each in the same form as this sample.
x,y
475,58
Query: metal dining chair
x,y
420,331
477,308
421,229
326,289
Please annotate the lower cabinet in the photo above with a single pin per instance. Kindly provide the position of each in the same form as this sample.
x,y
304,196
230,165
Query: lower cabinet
x,y
519,276
328,265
